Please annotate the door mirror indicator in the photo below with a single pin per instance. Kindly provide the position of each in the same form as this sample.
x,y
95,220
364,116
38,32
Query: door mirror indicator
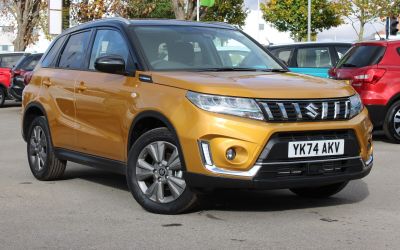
x,y
110,64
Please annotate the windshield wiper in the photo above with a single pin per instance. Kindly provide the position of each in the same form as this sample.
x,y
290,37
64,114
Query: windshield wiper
x,y
242,69
228,69
275,70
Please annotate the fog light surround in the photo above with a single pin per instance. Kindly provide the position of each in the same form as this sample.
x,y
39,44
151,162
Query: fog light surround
x,y
230,154
206,153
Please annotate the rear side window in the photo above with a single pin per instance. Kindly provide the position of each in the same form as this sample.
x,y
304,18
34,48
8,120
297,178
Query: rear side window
x,y
318,57
283,54
30,62
362,56
49,59
9,61
73,55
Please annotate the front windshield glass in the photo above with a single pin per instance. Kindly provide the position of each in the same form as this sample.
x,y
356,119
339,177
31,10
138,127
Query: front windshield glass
x,y
201,48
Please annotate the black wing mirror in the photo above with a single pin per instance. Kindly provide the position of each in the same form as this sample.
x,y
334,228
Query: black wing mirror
x,y
110,64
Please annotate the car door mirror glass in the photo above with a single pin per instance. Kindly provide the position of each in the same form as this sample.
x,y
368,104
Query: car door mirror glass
x,y
110,64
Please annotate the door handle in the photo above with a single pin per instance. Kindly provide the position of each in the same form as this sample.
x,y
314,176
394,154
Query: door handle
x,y
81,87
47,82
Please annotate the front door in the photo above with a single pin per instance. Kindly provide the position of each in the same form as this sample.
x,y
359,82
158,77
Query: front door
x,y
102,100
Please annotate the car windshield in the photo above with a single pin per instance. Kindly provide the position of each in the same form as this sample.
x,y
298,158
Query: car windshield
x,y
362,56
202,48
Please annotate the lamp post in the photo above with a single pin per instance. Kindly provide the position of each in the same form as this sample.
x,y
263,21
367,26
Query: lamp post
x,y
198,10
309,21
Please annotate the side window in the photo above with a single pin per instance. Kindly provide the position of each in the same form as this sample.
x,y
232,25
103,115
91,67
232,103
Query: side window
x,y
314,58
9,61
283,54
49,59
341,50
73,54
30,63
108,42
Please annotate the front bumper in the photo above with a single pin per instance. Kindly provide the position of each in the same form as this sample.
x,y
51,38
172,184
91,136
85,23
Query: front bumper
x,y
212,182
249,138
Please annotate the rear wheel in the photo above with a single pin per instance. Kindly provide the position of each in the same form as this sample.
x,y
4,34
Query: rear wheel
x,y
43,163
320,192
155,174
2,96
392,123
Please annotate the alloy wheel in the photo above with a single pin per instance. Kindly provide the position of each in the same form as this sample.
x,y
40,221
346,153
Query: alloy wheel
x,y
396,122
159,172
38,148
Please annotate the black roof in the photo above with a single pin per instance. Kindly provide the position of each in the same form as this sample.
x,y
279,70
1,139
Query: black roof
x,y
122,22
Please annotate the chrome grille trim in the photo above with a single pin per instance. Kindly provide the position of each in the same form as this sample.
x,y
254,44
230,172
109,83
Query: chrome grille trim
x,y
305,110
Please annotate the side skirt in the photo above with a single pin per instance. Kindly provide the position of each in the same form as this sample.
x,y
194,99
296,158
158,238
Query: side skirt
x,y
91,160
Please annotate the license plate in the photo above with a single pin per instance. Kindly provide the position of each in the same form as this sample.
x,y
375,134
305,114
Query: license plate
x,y
315,148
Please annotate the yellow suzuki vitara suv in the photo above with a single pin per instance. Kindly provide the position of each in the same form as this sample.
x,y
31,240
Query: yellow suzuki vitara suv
x,y
182,108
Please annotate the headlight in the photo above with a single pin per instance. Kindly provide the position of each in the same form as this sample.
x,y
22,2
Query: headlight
x,y
356,105
243,107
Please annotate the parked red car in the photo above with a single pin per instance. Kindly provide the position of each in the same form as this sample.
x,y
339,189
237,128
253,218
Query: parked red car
x,y
373,69
7,61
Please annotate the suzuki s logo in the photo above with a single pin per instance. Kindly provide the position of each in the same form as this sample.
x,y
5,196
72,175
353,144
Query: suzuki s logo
x,y
312,110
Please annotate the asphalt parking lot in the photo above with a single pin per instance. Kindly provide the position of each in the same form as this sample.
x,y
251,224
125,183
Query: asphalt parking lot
x,y
92,209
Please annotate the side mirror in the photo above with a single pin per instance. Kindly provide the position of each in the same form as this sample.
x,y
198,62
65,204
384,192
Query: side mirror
x,y
110,64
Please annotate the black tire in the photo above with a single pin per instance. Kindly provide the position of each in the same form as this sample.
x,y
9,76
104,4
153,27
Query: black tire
x,y
186,201
3,96
49,168
390,126
320,192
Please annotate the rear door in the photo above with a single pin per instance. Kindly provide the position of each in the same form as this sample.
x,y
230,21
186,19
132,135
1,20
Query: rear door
x,y
312,60
59,80
102,99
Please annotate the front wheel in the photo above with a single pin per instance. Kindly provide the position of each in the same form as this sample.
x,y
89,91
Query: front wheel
x,y
392,123
320,192
155,174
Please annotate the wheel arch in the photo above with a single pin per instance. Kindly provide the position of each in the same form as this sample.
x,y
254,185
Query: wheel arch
x,y
32,110
156,120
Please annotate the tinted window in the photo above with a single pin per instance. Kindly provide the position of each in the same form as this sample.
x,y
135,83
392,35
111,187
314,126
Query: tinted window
x,y
30,62
283,54
108,42
49,59
341,50
201,48
73,54
9,61
361,56
314,57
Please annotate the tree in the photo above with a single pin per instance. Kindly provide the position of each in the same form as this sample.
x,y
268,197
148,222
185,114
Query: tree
x,y
26,16
87,10
184,9
231,11
150,9
291,15
363,12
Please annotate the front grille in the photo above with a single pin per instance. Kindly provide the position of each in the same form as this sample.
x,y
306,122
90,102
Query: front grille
x,y
306,110
304,169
